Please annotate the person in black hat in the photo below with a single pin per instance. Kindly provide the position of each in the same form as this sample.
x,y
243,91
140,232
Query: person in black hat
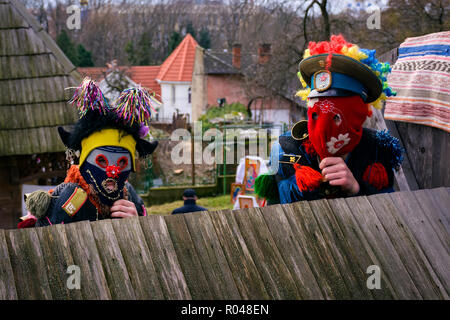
x,y
101,148
331,155
190,205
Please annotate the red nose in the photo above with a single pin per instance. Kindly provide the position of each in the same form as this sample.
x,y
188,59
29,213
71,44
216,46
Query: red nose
x,y
113,171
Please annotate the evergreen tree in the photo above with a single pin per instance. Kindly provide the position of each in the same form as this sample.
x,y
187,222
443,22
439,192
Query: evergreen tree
x,y
129,49
205,40
67,46
174,41
143,53
84,57
190,29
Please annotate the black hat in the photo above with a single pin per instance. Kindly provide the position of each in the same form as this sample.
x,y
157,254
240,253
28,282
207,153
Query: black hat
x,y
129,114
189,193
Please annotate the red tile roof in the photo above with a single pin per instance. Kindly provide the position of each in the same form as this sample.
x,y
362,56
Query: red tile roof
x,y
143,75
179,66
146,77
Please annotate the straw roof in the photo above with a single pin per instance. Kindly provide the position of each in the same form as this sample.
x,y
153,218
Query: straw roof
x,y
34,73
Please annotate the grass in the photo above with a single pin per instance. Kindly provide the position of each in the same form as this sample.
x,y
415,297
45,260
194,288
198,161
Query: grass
x,y
210,203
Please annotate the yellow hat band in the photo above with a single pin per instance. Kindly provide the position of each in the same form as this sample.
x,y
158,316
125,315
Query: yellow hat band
x,y
108,137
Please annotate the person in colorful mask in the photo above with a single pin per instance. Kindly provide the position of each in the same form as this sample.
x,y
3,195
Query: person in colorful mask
x,y
101,148
331,154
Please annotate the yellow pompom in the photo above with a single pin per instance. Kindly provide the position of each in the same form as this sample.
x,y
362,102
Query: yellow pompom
x,y
378,104
302,81
303,94
306,54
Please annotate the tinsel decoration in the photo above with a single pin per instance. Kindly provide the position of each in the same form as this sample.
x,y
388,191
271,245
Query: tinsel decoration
x,y
136,105
266,187
385,140
339,45
88,96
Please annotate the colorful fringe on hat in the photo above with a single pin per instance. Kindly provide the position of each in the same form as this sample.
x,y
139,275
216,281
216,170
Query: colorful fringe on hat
x,y
339,45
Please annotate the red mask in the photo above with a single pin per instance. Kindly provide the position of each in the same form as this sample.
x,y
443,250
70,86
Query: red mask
x,y
335,124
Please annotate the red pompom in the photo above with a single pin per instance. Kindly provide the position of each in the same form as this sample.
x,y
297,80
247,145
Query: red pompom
x,y
307,178
309,148
27,223
376,175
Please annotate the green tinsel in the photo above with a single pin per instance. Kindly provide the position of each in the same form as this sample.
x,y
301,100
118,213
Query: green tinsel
x,y
38,202
266,187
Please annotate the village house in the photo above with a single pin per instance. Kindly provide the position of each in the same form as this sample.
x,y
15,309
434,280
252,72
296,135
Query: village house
x,y
193,79
33,98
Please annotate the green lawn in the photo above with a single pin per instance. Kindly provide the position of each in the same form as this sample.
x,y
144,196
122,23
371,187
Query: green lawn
x,y
210,203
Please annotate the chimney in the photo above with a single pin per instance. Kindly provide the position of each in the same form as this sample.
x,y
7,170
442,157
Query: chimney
x,y
264,53
237,56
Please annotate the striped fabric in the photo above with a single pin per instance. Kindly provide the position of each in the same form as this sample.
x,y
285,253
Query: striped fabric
x,y
421,77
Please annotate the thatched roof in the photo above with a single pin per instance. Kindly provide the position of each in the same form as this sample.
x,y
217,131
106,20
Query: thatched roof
x,y
34,73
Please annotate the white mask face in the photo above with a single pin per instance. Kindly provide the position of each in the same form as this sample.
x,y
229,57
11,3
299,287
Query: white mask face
x,y
103,157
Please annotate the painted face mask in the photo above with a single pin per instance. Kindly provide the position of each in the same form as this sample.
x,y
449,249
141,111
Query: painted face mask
x,y
107,169
335,124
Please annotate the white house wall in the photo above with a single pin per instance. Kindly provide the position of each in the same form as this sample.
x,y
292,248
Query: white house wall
x,y
181,101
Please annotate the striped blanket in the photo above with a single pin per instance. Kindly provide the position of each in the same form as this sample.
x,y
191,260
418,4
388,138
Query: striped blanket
x,y
421,77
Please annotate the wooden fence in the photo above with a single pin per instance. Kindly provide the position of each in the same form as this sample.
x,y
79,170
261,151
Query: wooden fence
x,y
305,250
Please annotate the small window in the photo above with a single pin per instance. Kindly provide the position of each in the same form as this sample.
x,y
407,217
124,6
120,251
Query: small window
x,y
189,95
173,94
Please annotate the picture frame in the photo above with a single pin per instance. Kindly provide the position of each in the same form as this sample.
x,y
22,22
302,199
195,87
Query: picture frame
x,y
236,189
251,172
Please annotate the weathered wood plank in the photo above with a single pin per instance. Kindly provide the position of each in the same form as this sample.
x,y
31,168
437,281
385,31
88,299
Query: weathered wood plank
x,y
436,253
137,258
391,263
193,270
28,264
85,255
246,276
334,241
211,255
331,281
441,201
407,247
359,246
165,260
7,286
291,251
116,272
274,272
432,214
57,258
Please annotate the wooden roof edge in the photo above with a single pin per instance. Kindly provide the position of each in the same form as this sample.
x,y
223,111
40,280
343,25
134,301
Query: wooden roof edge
x,y
67,65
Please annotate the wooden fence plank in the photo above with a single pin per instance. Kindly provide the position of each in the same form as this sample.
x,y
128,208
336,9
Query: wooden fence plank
x,y
359,246
193,270
116,272
431,213
211,255
407,247
391,263
137,258
165,260
441,201
354,277
85,255
291,252
246,275
424,233
57,258
274,272
28,264
7,286
301,218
